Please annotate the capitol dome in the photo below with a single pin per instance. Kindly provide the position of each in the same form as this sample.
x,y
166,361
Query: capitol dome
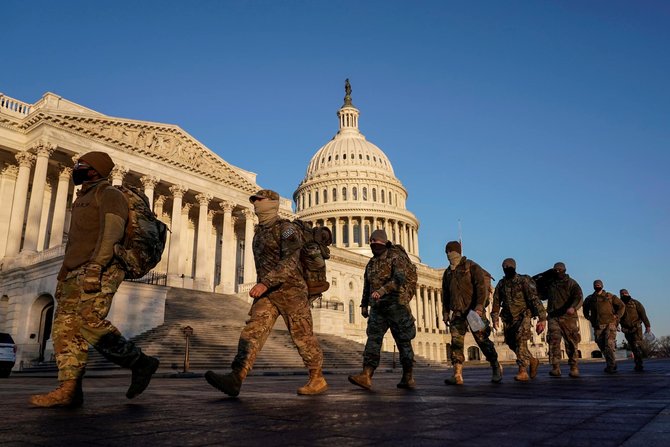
x,y
351,188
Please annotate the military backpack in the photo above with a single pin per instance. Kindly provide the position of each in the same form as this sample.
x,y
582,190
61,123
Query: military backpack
x,y
144,240
411,275
313,255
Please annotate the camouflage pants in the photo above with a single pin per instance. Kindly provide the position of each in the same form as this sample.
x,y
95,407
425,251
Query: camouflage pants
x,y
80,319
399,319
635,342
295,310
606,340
517,334
458,328
567,329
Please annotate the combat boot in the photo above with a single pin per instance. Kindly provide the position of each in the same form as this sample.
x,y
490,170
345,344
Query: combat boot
x,y
142,369
407,381
457,378
316,384
555,370
68,394
574,371
522,375
227,383
534,364
364,379
497,372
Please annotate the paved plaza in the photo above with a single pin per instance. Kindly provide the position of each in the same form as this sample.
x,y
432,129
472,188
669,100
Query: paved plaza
x,y
628,408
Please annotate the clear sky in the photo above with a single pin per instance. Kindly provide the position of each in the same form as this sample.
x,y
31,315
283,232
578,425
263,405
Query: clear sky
x,y
543,126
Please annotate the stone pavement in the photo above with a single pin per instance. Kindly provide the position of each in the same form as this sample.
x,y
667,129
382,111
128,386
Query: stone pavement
x,y
628,408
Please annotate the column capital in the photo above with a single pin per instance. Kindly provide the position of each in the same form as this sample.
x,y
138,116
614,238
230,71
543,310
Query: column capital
x,y
178,190
149,181
211,214
160,200
226,206
186,207
25,159
203,199
65,172
119,172
43,149
11,171
75,157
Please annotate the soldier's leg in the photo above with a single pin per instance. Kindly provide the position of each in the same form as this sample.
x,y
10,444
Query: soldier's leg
x,y
262,317
571,338
403,330
510,333
635,341
377,327
70,347
458,328
300,325
489,350
610,345
554,335
523,355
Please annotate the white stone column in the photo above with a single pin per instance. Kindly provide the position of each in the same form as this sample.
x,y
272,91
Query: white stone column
x,y
339,237
249,263
187,242
43,151
158,209
396,239
158,205
149,182
18,212
361,231
350,231
201,272
60,207
44,215
431,313
419,308
211,249
416,240
7,185
174,267
227,284
118,174
76,190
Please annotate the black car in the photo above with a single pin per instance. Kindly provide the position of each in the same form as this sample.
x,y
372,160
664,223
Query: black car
x,y
7,354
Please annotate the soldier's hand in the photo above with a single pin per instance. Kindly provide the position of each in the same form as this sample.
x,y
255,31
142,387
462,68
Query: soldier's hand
x,y
258,290
375,295
570,311
364,312
90,283
539,327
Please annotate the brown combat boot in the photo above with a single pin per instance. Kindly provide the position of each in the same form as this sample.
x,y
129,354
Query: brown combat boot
x,y
534,364
522,375
364,379
227,383
407,381
574,371
497,372
316,384
68,394
555,370
457,378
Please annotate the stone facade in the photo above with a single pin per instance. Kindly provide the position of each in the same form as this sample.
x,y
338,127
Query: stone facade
x,y
349,186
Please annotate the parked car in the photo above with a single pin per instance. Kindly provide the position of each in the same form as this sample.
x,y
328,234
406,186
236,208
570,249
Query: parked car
x,y
7,354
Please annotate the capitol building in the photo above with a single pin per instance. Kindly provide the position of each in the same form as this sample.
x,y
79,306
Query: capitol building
x,y
349,186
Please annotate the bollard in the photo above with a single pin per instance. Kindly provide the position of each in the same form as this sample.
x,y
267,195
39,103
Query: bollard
x,y
188,331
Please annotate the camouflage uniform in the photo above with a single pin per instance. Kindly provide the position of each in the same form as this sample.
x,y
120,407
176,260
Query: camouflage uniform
x,y
519,301
604,310
80,316
631,327
463,289
386,274
276,249
561,295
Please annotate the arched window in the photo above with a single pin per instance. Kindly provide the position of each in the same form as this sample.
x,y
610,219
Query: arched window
x,y
316,197
345,234
354,193
473,353
365,193
352,312
309,200
374,194
344,193
382,196
367,232
357,233
325,196
334,194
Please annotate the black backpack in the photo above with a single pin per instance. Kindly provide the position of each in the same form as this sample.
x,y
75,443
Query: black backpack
x,y
313,255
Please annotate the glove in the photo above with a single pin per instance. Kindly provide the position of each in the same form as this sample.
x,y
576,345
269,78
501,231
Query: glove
x,y
91,280
364,312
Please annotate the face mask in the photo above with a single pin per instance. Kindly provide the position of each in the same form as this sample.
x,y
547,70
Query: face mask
x,y
377,249
266,210
625,298
597,289
454,258
509,272
560,274
79,176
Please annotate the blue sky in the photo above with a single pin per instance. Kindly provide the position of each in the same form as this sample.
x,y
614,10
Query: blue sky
x,y
543,126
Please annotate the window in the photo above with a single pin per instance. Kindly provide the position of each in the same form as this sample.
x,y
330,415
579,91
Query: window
x,y
334,194
325,196
309,200
354,193
382,196
344,193
352,312
316,197
374,194
365,193
367,232
357,233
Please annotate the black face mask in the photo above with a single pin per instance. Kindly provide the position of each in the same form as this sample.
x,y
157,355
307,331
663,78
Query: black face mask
x,y
560,274
625,298
79,176
509,272
597,289
377,249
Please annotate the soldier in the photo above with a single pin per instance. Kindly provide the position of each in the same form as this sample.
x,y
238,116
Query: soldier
x,y
604,310
385,292
631,326
564,297
87,281
280,290
465,287
517,296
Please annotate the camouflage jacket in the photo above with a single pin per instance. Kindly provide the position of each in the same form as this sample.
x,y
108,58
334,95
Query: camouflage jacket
x,y
563,294
386,274
517,297
603,308
464,288
634,315
277,255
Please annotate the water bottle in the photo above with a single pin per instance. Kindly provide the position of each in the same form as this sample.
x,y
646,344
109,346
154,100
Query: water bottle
x,y
475,321
649,337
